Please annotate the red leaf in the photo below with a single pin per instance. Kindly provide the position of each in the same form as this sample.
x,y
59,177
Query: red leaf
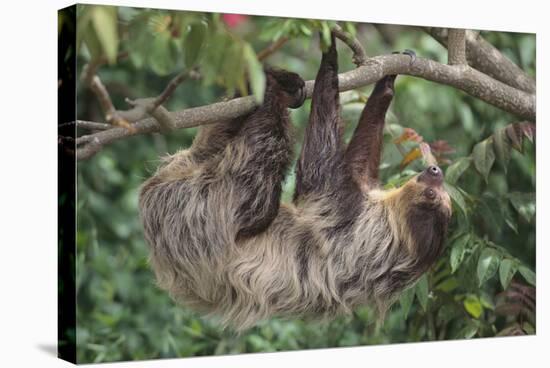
x,y
528,129
410,157
441,147
427,154
409,135
515,134
233,20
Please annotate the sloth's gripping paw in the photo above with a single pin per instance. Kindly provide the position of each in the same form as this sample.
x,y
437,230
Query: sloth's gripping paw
x,y
385,87
291,84
408,52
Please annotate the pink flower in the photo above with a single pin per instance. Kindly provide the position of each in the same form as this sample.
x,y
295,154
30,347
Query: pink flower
x,y
233,20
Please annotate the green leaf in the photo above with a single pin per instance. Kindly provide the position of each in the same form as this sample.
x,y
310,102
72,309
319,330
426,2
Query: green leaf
x,y
490,214
484,157
473,306
93,45
456,196
468,120
325,36
406,300
469,330
83,25
139,40
508,219
422,291
193,43
255,72
502,146
104,19
486,301
257,342
215,53
234,68
448,284
506,272
455,171
487,265
349,27
162,54
305,30
458,251
524,203
528,275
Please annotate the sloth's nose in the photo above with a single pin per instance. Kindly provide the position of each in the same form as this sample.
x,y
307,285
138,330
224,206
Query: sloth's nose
x,y
432,175
434,171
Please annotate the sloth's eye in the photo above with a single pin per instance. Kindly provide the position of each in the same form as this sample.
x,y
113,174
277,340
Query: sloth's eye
x,y
429,193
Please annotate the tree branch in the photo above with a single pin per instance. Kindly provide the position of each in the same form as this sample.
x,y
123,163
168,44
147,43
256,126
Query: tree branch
x,y
172,85
88,125
359,54
488,59
466,79
90,77
456,47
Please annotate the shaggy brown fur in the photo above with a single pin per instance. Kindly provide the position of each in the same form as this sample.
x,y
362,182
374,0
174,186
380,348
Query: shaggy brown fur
x,y
222,244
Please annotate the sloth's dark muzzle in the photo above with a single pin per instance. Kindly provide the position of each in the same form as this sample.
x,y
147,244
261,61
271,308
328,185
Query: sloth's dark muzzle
x,y
432,175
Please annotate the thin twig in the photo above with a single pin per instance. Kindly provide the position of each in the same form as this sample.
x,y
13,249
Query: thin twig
x,y
172,85
269,50
359,54
90,77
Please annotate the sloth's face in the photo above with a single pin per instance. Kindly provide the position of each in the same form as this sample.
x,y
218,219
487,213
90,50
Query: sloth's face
x,y
429,191
421,202
427,212
421,211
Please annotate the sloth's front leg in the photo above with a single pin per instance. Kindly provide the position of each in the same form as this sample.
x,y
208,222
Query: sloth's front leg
x,y
258,158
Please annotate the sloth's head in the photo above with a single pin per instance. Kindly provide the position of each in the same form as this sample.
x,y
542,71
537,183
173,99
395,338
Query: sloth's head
x,y
425,193
290,86
420,210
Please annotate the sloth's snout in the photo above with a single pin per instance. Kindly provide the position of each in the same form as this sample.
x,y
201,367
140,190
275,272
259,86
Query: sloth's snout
x,y
434,171
432,175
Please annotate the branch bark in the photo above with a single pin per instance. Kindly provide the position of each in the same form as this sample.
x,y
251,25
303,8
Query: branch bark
x,y
488,59
456,47
464,78
88,125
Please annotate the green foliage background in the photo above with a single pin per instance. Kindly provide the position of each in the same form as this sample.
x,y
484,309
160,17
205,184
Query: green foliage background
x,y
482,286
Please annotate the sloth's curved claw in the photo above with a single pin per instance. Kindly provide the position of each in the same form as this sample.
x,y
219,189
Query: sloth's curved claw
x,y
412,54
408,52
298,98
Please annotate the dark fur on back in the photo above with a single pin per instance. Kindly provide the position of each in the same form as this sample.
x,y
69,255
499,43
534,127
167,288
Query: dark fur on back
x,y
222,243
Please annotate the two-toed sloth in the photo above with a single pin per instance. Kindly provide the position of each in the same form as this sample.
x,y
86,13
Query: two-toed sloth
x,y
223,244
